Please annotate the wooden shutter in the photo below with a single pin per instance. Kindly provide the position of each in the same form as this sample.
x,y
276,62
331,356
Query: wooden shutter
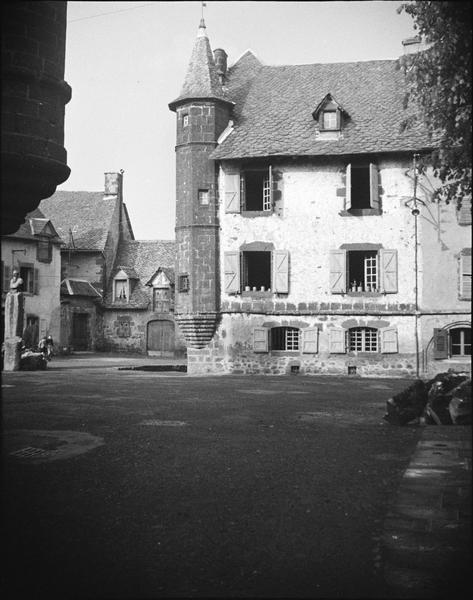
x,y
374,187
337,340
389,340
440,344
310,339
464,214
388,268
348,188
6,271
280,283
232,272
232,192
35,282
260,339
338,271
465,276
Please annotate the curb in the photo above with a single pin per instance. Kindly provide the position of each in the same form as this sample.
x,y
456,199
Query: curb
x,y
427,531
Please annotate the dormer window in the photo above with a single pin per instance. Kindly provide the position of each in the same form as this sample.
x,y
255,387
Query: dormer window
x,y
329,114
121,290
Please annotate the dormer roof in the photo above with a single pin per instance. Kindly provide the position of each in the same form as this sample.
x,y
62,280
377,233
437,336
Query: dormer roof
x,y
328,103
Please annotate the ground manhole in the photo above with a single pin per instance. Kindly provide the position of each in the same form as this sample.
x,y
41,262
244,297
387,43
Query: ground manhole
x,y
160,423
30,452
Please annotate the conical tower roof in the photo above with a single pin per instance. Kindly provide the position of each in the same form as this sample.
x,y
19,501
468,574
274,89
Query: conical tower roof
x,y
202,80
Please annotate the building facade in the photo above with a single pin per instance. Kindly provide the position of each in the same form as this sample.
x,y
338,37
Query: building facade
x,y
300,247
34,251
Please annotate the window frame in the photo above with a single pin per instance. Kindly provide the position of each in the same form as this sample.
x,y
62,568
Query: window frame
x,y
266,191
289,337
368,337
336,126
31,281
235,267
126,289
374,208
183,283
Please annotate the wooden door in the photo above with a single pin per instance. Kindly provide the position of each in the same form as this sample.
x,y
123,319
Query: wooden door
x,y
161,338
80,331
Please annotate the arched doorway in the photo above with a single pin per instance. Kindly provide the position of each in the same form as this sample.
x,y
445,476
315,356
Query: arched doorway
x,y
160,338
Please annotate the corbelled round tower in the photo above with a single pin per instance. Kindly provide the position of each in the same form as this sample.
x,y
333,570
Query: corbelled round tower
x,y
202,113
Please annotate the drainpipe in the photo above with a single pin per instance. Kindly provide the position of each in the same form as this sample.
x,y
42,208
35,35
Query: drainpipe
x,y
415,211
415,201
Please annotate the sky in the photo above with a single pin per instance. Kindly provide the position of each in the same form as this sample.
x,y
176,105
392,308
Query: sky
x,y
125,61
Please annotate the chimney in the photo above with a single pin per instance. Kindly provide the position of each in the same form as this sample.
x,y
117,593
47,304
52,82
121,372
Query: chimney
x,y
220,59
113,184
412,45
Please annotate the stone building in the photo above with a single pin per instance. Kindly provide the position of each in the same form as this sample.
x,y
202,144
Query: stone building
x,y
91,225
34,251
300,248
117,293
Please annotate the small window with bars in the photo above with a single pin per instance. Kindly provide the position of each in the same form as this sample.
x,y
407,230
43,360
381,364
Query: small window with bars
x,y
183,283
285,338
363,339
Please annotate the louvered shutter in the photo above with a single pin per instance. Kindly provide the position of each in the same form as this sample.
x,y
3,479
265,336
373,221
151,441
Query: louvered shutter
x,y
232,272
337,340
35,281
389,340
280,283
232,192
374,187
465,276
348,188
440,344
388,267
271,190
338,271
6,277
260,339
464,214
310,340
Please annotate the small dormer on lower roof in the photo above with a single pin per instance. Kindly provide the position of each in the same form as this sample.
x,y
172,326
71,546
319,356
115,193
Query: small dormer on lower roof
x,y
124,281
330,115
163,277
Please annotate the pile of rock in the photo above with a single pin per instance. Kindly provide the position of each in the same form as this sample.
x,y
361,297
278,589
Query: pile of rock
x,y
443,400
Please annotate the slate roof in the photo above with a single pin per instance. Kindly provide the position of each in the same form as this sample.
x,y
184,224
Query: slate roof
x,y
88,214
78,287
202,80
274,106
35,221
143,258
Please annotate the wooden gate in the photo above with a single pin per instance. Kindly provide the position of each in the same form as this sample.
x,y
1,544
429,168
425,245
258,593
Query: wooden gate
x,y
160,340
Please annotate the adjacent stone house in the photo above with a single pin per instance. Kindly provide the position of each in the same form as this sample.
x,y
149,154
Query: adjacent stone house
x,y
34,251
139,304
300,248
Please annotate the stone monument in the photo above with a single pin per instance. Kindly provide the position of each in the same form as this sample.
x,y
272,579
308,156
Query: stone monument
x,y
14,315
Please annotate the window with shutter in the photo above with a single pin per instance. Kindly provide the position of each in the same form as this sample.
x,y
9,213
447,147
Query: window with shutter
x,y
464,213
337,340
256,190
232,192
27,273
388,260
310,340
440,344
6,276
338,272
260,339
362,190
232,272
389,340
36,281
281,271
465,275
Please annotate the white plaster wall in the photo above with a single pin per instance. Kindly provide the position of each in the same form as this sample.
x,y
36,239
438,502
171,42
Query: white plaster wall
x,y
309,225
